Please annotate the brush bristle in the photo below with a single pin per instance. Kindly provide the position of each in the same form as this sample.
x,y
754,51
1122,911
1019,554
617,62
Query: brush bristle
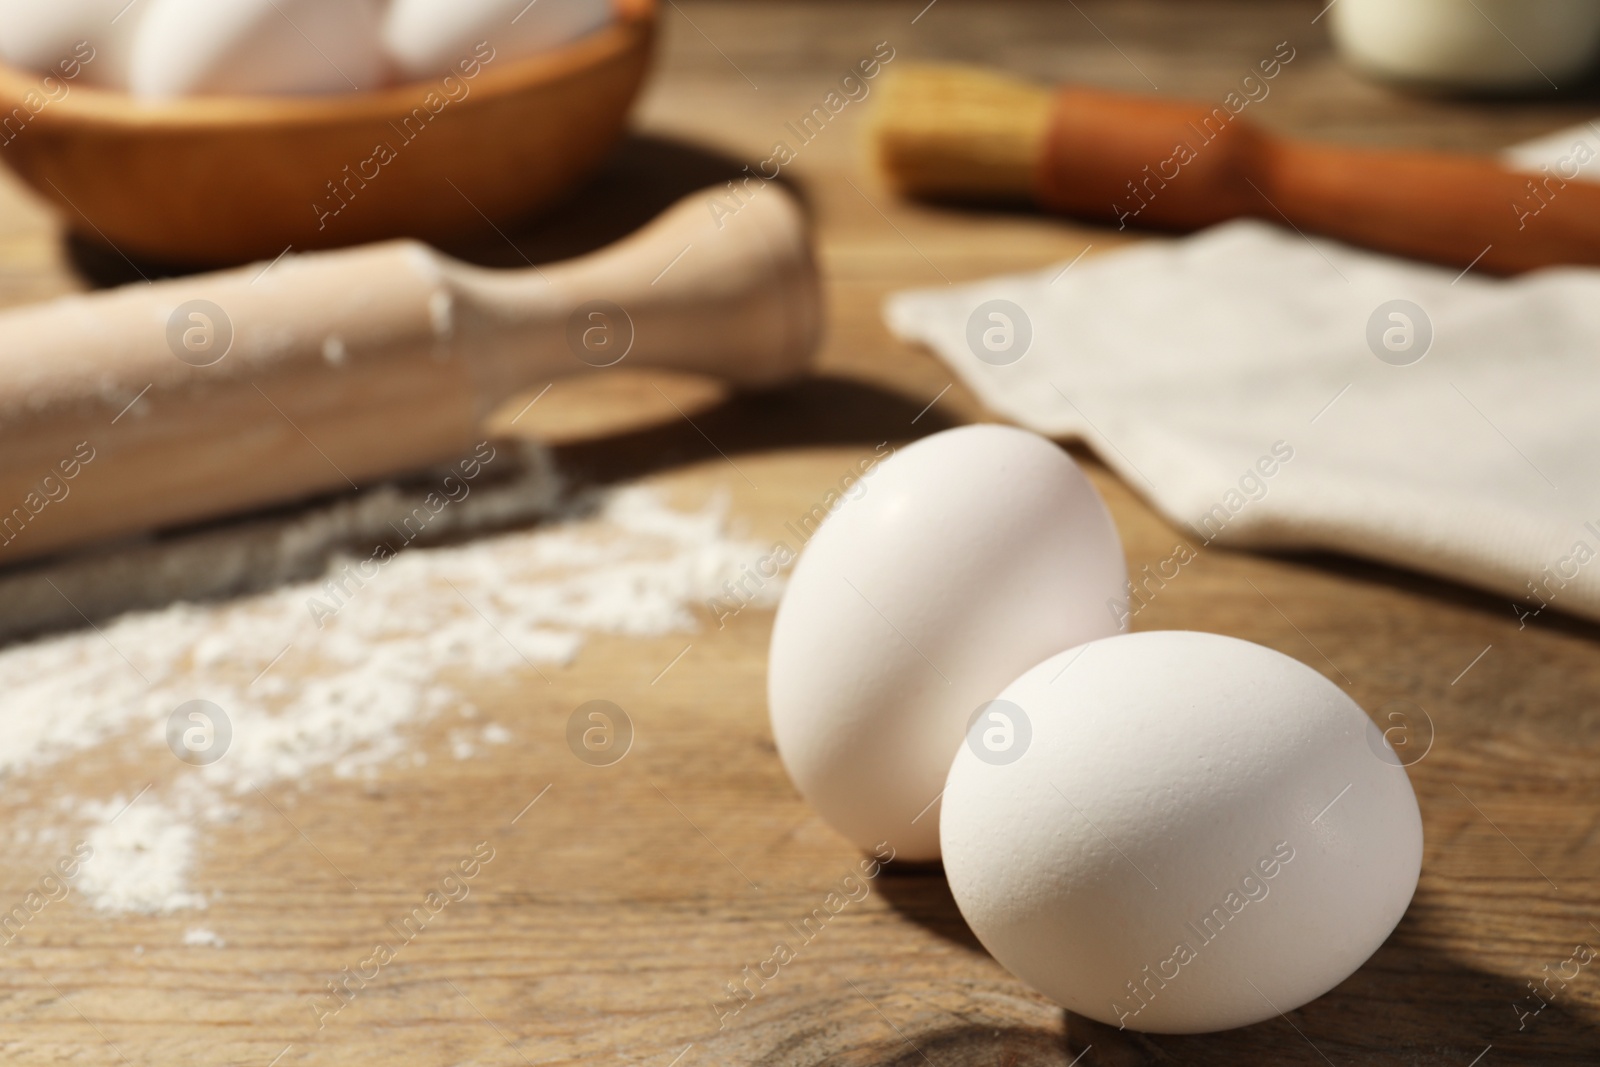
x,y
950,132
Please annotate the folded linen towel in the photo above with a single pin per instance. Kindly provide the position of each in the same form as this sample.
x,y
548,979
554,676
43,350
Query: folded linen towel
x,y
1264,389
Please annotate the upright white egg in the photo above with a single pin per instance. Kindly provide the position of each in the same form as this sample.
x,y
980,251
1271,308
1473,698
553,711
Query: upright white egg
x,y
961,561
92,37
193,47
1190,832
429,38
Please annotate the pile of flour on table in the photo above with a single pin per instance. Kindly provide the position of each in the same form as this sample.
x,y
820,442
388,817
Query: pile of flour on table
x,y
325,678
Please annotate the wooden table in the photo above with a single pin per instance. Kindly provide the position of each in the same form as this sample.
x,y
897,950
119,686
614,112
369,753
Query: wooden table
x,y
617,909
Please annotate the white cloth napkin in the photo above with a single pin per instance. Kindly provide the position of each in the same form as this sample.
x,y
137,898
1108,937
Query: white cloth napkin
x,y
1229,377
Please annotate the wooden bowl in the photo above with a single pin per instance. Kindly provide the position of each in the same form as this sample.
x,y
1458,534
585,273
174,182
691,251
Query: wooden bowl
x,y
228,179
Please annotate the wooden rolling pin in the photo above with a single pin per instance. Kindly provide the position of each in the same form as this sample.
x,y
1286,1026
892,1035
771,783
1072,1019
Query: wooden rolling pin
x,y
154,405
962,133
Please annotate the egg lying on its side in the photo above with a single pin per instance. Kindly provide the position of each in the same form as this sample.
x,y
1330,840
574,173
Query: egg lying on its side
x,y
963,560
92,37
190,47
428,38
1200,832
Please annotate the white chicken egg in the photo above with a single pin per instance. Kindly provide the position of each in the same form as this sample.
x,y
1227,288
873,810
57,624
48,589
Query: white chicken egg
x,y
963,560
191,47
96,35
1191,832
428,38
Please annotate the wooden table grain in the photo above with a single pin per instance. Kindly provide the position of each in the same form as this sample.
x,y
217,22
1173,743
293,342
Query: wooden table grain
x,y
619,908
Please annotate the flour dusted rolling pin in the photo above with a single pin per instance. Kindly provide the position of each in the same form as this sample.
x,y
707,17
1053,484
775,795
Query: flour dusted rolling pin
x,y
961,133
210,394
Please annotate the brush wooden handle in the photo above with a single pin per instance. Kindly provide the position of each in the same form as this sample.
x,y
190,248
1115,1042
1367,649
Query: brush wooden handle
x,y
328,370
1152,162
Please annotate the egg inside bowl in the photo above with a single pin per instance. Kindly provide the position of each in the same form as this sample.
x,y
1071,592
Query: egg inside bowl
x,y
217,180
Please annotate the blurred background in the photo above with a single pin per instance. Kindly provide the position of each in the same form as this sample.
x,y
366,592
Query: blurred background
x,y
398,600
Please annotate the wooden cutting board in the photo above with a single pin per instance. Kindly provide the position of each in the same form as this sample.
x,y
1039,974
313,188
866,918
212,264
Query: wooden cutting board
x,y
618,907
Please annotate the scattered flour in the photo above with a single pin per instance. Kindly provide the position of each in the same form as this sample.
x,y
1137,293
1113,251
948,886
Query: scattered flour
x,y
142,855
200,937
326,676
464,743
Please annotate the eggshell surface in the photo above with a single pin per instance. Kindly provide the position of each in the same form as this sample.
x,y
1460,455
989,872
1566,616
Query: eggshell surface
x,y
39,35
425,38
948,569
192,47
1200,833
